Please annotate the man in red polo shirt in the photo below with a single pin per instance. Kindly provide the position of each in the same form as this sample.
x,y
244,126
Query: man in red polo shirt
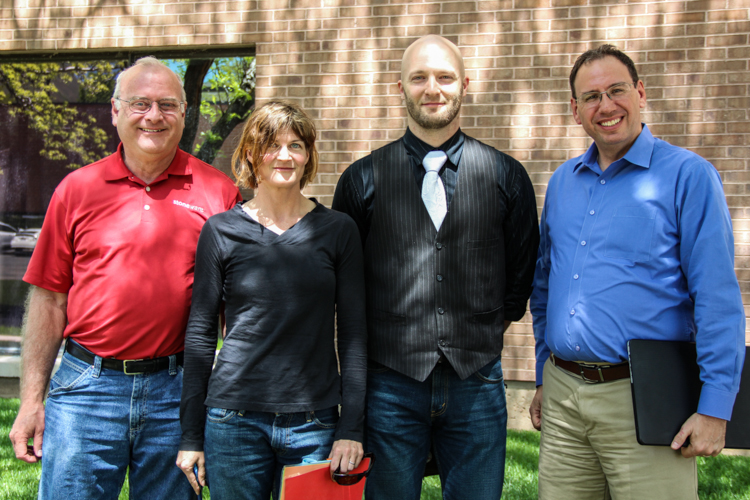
x,y
112,274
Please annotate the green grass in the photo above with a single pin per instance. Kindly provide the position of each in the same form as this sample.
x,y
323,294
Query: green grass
x,y
720,478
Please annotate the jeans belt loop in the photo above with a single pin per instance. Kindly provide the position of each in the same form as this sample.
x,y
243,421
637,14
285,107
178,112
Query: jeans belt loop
x,y
97,367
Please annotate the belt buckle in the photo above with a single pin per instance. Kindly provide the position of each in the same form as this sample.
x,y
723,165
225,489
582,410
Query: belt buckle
x,y
597,368
125,366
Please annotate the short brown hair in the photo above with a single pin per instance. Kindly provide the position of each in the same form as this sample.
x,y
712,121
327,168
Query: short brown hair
x,y
259,134
601,52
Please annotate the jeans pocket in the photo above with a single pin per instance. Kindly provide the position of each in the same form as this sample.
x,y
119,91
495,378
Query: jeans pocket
x,y
68,377
220,415
327,418
491,373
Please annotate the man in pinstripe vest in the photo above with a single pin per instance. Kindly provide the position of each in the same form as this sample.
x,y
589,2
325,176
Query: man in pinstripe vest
x,y
449,228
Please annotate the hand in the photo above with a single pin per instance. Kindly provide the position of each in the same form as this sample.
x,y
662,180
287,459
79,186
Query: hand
x,y
186,460
535,410
346,455
29,424
706,436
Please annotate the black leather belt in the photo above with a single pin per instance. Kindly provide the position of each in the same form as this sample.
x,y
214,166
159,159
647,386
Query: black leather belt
x,y
593,373
127,366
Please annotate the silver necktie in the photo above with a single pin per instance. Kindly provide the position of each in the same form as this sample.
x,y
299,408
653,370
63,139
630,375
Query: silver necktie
x,y
433,191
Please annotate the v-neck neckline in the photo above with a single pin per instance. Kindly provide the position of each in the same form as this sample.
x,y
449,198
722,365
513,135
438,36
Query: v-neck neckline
x,y
263,229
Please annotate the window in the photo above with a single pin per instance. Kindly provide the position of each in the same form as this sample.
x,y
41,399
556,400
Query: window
x,y
55,116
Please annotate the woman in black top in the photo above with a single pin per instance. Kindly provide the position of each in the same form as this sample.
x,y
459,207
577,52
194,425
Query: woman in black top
x,y
281,265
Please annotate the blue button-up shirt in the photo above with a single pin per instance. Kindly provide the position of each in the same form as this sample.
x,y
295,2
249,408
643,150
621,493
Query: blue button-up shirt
x,y
643,250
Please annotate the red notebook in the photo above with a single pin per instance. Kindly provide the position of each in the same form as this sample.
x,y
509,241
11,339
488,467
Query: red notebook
x,y
313,482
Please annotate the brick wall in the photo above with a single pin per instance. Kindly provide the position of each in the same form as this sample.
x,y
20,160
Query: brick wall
x,y
340,59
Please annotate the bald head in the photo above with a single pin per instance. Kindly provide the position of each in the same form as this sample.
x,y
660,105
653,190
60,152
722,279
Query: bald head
x,y
432,46
148,63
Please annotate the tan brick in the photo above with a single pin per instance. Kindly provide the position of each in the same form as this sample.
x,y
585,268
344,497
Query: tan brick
x,y
337,45
390,32
705,28
587,12
739,26
497,5
179,8
665,6
724,40
740,65
324,57
727,15
444,29
666,55
355,12
682,18
389,10
178,30
726,90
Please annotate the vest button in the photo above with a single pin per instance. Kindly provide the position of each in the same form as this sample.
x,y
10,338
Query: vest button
x,y
439,246
440,277
441,343
441,310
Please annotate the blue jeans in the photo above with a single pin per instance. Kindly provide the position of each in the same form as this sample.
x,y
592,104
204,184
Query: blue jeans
x,y
247,450
99,422
465,419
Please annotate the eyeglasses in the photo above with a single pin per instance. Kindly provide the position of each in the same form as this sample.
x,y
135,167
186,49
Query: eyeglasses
x,y
141,105
616,92
348,479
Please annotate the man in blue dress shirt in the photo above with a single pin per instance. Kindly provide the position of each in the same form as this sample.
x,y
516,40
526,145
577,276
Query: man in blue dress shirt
x,y
636,242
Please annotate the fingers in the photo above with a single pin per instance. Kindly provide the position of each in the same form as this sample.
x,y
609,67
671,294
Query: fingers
x,y
706,436
535,409
681,436
23,450
346,455
187,461
28,425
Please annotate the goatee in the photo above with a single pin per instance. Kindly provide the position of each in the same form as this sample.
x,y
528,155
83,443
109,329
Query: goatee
x,y
437,121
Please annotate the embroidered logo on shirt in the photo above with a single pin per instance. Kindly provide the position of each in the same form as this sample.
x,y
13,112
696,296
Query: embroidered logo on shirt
x,y
190,207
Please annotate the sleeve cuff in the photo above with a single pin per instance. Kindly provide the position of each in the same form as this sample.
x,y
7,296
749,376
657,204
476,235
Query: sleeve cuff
x,y
716,402
191,445
540,369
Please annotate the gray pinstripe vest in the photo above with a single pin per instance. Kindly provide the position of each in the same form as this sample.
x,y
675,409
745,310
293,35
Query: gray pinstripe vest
x,y
432,292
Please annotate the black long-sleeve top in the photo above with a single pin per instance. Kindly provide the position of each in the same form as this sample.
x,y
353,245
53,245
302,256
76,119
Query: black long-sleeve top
x,y
280,294
355,195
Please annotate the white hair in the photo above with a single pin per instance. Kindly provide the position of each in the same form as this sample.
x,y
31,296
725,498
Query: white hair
x,y
145,61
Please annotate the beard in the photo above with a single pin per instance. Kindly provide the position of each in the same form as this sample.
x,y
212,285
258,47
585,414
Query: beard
x,y
436,121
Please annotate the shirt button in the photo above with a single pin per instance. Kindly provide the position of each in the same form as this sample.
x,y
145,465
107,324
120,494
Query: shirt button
x,y
575,276
146,207
441,310
439,246
592,212
440,277
578,348
583,243
602,181
441,343
572,312
148,188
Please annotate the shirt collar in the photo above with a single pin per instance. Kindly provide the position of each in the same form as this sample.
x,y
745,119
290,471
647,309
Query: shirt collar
x,y
639,153
418,149
117,169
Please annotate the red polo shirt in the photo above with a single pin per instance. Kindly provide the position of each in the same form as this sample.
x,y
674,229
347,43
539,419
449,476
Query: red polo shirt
x,y
124,252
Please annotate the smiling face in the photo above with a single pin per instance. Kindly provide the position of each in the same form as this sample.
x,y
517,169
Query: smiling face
x,y
432,84
153,135
614,126
283,164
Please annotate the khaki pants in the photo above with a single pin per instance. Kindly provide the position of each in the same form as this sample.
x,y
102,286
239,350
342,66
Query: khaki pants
x,y
589,450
